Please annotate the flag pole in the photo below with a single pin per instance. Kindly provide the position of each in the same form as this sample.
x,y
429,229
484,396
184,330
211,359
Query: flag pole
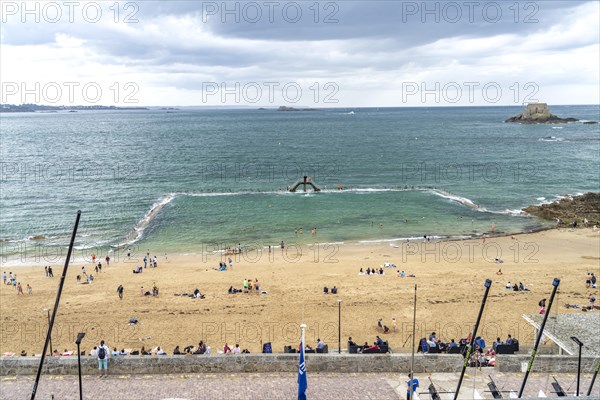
x,y
487,284
555,283
58,294
412,359
589,392
302,381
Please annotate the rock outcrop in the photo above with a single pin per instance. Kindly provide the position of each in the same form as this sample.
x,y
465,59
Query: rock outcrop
x,y
567,210
538,113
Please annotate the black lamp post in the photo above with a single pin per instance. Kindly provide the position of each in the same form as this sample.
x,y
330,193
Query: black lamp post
x,y
573,338
80,337
339,326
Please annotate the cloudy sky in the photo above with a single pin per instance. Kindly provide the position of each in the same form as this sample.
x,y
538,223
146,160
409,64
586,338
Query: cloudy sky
x,y
326,54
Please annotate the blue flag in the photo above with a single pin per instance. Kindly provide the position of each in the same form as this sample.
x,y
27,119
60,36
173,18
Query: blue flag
x,y
302,384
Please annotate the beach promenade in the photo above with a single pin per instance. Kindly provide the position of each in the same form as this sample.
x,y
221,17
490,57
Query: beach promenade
x,y
274,386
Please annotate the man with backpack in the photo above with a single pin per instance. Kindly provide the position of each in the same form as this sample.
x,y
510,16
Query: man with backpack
x,y
103,352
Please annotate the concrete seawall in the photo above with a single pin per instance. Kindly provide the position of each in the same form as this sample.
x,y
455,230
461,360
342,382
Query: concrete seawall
x,y
233,363
345,363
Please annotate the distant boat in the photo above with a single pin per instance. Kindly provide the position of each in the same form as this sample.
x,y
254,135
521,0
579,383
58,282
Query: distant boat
x,y
351,113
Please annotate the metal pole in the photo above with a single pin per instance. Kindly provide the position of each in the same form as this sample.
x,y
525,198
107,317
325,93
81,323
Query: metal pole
x,y
412,359
573,338
555,283
303,343
589,392
339,326
50,334
578,371
60,287
487,284
79,367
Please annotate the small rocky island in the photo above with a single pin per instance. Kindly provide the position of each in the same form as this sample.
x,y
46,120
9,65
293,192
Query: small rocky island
x,y
565,211
284,108
538,113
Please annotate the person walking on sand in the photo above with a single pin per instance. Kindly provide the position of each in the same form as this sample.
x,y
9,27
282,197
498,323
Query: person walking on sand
x,y
394,325
120,291
107,259
103,354
19,288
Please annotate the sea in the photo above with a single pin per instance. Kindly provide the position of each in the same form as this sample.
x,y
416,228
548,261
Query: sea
x,y
192,181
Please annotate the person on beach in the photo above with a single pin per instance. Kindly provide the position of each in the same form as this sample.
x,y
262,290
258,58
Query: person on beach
x,y
19,288
120,291
394,325
103,354
592,300
93,258
29,289
282,245
4,275
542,305
128,253
45,269
145,261
107,259
588,281
50,273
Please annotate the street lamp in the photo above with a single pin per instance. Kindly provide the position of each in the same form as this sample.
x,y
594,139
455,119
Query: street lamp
x,y
50,334
80,336
573,338
339,326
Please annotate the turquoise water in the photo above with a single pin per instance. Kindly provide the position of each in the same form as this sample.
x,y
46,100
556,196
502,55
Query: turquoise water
x,y
178,182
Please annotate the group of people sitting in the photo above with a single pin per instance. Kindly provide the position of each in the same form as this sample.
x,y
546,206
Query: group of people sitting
x,y
376,347
516,287
222,267
334,290
370,271
147,293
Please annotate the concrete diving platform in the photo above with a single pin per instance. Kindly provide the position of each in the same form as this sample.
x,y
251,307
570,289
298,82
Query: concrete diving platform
x,y
306,181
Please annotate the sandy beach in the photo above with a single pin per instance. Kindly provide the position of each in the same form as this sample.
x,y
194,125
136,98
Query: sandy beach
x,y
449,275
